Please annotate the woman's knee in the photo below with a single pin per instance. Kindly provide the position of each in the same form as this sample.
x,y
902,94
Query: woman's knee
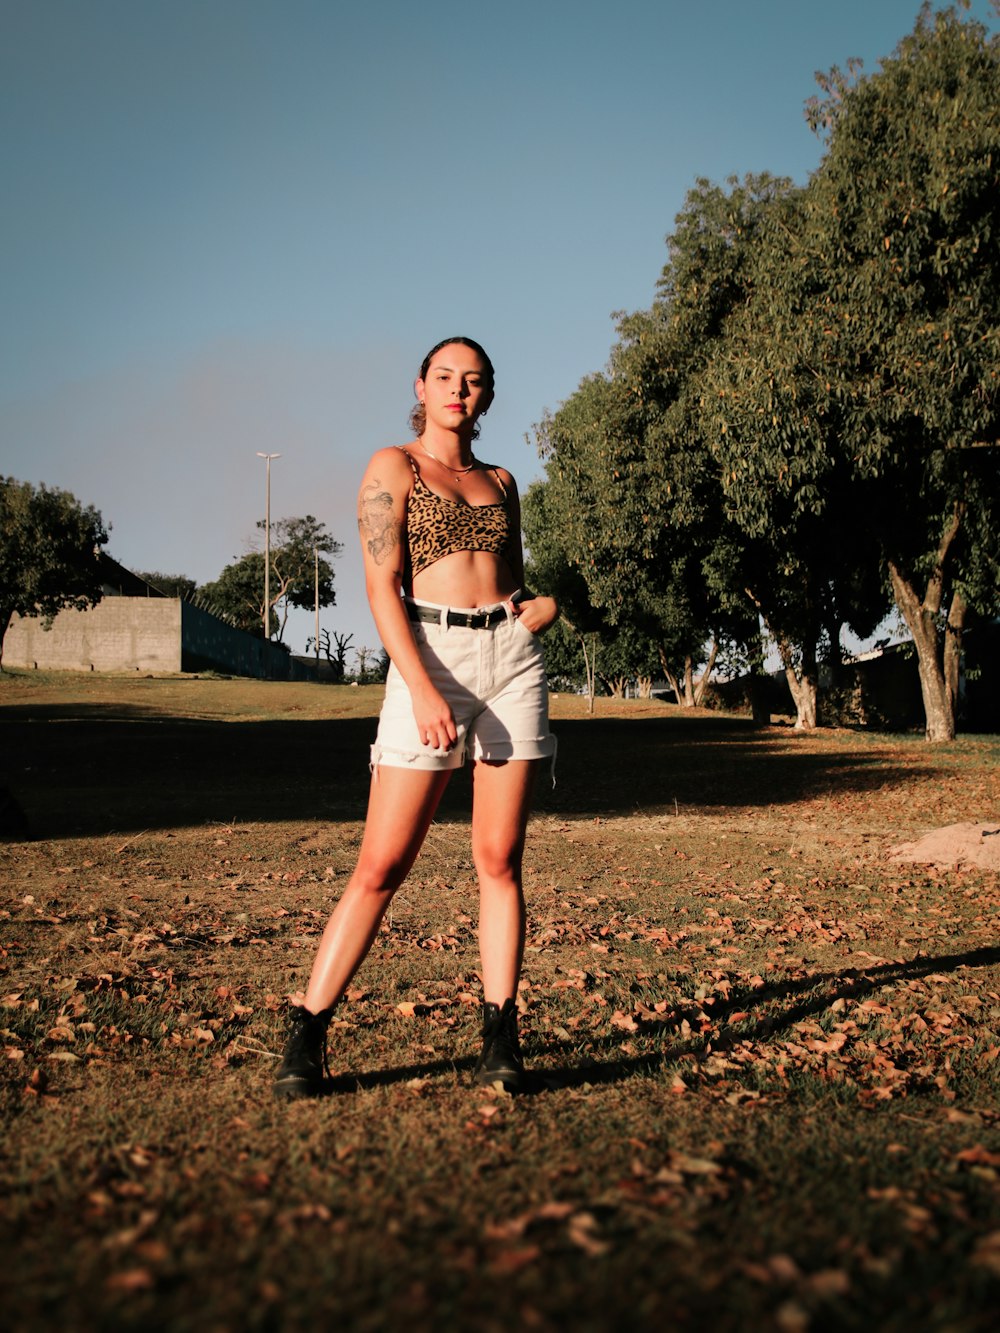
x,y
376,878
500,864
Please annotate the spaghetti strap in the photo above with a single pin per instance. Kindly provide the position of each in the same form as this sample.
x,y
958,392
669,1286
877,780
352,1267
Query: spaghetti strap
x,y
413,466
411,460
503,488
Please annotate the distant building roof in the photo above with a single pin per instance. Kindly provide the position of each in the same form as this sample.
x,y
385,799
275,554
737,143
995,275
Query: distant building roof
x,y
121,582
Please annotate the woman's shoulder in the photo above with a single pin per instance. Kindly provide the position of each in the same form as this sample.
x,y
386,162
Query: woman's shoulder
x,y
392,460
506,477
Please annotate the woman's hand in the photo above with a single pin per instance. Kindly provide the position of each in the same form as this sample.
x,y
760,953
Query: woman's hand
x,y
434,718
537,614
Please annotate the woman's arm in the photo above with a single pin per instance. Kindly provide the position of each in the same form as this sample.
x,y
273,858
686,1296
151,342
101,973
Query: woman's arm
x,y
535,612
382,502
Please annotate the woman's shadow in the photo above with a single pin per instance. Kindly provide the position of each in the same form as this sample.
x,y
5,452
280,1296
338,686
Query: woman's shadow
x,y
805,995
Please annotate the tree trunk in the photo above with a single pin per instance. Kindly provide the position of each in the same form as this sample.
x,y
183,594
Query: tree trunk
x,y
615,685
803,681
921,621
644,687
953,648
688,682
590,667
5,619
589,659
804,695
670,678
702,681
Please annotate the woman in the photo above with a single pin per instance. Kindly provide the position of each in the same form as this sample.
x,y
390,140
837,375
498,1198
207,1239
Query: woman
x,y
440,532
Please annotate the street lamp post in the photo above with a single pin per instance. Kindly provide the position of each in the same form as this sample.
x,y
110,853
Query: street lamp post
x,y
316,586
267,547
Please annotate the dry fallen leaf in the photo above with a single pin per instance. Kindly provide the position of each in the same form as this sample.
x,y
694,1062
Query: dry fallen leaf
x,y
132,1279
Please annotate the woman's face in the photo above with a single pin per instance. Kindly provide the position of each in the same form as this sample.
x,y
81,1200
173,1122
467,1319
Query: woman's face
x,y
456,389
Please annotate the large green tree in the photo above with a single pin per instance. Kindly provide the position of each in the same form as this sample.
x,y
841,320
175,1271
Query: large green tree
x,y
596,515
907,333
299,548
854,411
789,542
807,417
633,485
49,552
714,570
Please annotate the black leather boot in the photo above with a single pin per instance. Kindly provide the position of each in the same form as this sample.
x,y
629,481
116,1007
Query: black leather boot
x,y
500,1061
303,1068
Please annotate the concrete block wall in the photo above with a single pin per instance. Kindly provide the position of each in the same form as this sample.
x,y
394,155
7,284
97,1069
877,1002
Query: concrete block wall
x,y
118,634
146,634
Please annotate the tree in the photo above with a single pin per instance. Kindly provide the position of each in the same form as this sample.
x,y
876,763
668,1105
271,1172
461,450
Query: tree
x,y
807,416
373,665
297,547
238,595
587,528
791,546
906,330
173,585
49,552
632,486
549,568
334,649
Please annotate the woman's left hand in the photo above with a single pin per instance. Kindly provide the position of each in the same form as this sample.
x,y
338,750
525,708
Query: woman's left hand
x,y
537,614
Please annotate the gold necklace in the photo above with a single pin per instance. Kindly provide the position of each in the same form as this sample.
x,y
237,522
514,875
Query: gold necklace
x,y
459,471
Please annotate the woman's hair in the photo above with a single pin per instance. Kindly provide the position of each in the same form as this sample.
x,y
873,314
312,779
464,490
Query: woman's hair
x,y
418,417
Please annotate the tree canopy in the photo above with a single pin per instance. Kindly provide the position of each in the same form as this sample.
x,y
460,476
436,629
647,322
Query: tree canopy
x,y
49,552
298,547
804,426
172,585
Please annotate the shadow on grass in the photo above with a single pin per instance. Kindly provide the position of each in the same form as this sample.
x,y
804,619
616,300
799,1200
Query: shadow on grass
x,y
851,983
90,769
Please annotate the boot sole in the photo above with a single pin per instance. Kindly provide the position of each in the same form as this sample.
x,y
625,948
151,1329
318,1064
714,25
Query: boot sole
x,y
289,1090
509,1080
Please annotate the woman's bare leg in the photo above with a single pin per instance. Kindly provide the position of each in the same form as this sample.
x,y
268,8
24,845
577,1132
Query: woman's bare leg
x,y
501,801
401,805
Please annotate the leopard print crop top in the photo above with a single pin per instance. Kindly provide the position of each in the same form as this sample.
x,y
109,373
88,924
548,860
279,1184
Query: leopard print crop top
x,y
436,526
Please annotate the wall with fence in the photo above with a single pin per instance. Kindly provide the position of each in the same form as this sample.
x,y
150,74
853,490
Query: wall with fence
x,y
209,644
147,634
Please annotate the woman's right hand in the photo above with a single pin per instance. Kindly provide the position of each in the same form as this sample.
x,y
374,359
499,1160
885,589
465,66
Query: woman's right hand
x,y
434,718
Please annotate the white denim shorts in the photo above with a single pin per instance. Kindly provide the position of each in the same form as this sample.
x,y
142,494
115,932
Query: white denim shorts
x,y
494,681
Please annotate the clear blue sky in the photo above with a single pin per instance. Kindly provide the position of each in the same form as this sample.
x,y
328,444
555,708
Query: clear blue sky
x,y
237,225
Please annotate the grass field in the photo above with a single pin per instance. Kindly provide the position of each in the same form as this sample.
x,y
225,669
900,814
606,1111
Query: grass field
x,y
768,1057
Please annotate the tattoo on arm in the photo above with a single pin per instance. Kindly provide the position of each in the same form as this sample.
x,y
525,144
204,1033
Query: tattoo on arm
x,y
379,529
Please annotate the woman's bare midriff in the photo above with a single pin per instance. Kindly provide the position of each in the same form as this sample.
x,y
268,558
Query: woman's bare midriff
x,y
467,579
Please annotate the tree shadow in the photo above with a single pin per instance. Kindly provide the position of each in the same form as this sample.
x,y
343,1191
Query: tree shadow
x,y
89,769
849,984
620,766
